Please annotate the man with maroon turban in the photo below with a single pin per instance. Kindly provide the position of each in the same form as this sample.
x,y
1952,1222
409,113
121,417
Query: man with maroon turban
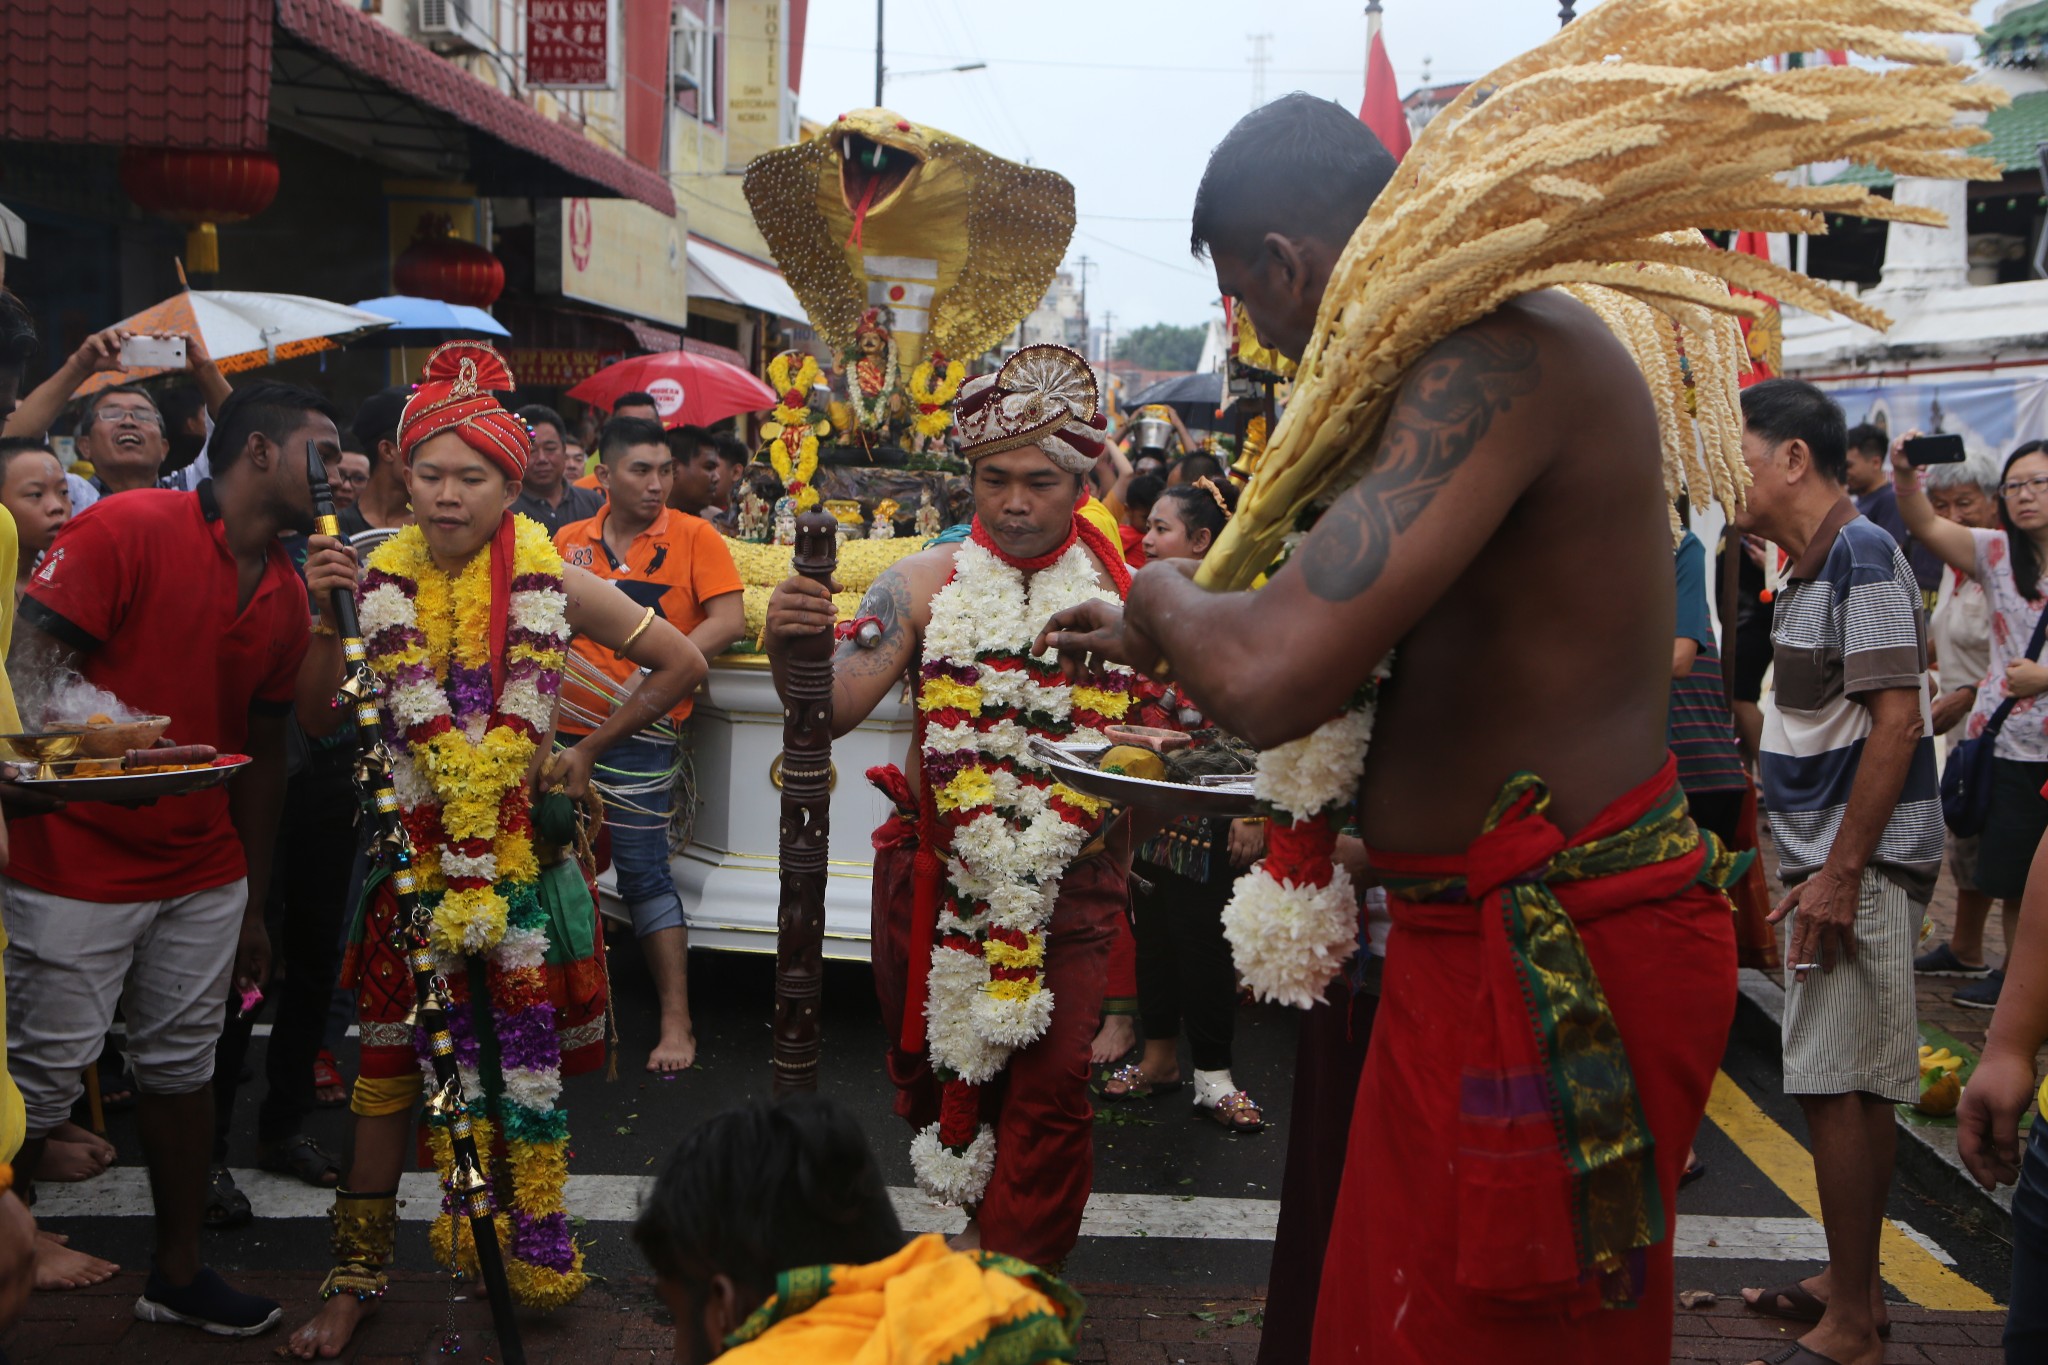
x,y
466,616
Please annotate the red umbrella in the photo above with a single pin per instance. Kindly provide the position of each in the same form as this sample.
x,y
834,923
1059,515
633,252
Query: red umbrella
x,y
688,389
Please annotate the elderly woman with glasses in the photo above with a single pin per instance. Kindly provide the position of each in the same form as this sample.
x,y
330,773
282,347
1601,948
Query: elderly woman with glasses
x,y
2007,563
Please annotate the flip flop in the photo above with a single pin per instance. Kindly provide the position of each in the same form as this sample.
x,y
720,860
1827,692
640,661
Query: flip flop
x,y
1696,1171
1798,1306
1795,1354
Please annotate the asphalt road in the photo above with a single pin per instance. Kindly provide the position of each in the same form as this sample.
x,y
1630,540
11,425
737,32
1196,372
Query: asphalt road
x,y
1179,1201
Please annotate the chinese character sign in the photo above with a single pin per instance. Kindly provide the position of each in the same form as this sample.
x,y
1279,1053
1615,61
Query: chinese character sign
x,y
568,43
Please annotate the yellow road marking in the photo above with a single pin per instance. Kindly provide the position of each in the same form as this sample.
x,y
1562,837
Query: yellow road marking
x,y
1905,1264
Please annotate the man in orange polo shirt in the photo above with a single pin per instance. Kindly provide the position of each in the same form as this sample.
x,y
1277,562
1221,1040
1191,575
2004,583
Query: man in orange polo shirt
x,y
677,567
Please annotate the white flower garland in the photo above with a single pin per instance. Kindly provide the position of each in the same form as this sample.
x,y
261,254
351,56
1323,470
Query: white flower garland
x,y
1289,940
1004,861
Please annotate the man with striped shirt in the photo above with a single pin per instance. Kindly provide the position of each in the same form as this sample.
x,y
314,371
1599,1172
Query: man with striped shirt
x,y
1849,781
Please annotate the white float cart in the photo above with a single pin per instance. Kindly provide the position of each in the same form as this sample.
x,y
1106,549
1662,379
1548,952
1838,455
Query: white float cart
x,y
728,875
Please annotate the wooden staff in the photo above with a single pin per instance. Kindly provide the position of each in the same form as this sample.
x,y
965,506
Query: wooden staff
x,y
471,1191
806,820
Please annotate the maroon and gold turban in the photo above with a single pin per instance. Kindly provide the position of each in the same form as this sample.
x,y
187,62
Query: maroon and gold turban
x,y
456,394
1043,396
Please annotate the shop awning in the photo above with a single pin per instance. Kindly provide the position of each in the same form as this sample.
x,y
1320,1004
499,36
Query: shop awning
x,y
716,273
342,77
218,73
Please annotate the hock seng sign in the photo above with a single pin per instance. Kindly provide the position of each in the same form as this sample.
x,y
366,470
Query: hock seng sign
x,y
568,44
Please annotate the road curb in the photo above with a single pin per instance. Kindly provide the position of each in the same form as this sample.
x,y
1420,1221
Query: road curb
x,y
1928,1154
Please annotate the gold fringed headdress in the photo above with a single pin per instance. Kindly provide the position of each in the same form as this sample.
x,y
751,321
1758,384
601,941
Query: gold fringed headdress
x,y
1573,165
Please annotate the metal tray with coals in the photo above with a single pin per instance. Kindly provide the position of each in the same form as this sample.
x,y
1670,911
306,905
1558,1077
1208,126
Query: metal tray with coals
x,y
1074,765
140,786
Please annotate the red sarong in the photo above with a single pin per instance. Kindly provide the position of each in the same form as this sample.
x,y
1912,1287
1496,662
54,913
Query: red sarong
x,y
1461,1231
1039,1105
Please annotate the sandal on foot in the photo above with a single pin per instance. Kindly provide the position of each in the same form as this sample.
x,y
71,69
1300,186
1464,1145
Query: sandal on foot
x,y
1234,1112
327,1076
226,1206
1795,1354
1794,1304
1131,1077
1694,1170
299,1155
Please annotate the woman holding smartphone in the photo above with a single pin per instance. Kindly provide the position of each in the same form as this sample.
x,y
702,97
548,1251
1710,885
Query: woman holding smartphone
x,y
2011,564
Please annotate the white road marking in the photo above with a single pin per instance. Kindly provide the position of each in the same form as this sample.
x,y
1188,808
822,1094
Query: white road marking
x,y
124,1193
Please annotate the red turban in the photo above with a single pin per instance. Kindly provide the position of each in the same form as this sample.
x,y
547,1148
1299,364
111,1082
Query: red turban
x,y
456,394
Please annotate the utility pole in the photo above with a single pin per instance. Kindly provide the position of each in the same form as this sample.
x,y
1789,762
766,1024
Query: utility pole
x,y
1261,58
1108,336
878,53
1372,22
1083,264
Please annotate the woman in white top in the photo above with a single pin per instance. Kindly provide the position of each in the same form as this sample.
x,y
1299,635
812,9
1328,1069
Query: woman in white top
x,y
2007,565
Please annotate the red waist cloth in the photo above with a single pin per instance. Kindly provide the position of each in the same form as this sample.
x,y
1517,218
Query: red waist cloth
x,y
1487,1159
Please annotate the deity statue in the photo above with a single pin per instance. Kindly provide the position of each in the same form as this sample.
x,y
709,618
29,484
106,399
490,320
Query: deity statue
x,y
928,523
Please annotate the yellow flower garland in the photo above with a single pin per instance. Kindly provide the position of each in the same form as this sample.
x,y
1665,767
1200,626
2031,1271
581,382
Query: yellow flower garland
x,y
934,392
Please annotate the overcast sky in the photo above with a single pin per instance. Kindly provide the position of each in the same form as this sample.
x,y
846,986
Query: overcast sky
x,y
1127,97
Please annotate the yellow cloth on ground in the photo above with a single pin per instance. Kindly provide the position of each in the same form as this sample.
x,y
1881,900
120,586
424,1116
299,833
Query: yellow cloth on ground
x,y
1104,520
926,1305
13,1117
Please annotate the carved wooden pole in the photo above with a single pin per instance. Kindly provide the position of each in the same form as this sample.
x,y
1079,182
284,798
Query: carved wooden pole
x,y
806,820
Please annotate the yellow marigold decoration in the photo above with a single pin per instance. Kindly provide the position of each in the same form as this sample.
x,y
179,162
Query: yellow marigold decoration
x,y
1572,164
1104,703
969,788
934,384
792,434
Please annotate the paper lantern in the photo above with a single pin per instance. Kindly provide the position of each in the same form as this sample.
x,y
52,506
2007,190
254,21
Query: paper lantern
x,y
439,265
200,188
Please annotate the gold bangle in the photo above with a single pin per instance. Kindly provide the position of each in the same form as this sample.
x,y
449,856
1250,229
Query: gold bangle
x,y
638,631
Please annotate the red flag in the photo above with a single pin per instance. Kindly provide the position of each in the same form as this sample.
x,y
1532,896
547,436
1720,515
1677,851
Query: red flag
x,y
1765,336
1382,111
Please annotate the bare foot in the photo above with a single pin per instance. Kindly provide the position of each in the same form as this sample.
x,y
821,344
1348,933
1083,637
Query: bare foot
x,y
68,1131
59,1267
968,1238
327,1334
1116,1037
677,1050
69,1161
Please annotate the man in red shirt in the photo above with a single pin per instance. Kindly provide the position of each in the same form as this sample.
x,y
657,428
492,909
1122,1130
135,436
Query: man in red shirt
x,y
182,605
676,565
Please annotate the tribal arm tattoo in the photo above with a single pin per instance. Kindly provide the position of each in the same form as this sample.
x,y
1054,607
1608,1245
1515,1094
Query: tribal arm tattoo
x,y
1448,407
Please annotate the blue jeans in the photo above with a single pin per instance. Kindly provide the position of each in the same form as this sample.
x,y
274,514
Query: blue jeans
x,y
637,779
2026,1322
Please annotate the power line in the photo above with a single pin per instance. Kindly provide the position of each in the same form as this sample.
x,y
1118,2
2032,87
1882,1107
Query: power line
x,y
1154,260
1174,72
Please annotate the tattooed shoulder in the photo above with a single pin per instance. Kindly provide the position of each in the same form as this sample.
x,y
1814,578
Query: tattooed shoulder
x,y
1447,406
888,602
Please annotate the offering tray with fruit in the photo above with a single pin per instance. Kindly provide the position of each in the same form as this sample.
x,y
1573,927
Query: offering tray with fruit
x,y
1157,770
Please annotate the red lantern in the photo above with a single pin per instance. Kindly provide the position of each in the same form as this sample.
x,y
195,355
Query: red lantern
x,y
200,187
439,265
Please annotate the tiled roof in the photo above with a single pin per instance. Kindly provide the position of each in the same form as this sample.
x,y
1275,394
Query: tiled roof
x,y
171,73
361,43
2017,131
2018,37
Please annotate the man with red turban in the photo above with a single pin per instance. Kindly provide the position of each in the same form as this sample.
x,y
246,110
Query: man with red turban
x,y
995,901
466,617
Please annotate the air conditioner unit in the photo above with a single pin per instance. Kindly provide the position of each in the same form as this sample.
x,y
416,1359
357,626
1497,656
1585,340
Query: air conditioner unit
x,y
450,21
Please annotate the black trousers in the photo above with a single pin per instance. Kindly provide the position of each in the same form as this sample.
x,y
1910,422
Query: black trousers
x,y
1186,982
309,880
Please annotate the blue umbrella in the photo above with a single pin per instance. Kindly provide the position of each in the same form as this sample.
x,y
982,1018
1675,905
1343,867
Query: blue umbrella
x,y
426,322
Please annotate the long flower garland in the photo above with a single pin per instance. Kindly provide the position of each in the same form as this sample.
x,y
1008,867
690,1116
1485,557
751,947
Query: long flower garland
x,y
459,763
1006,831
792,432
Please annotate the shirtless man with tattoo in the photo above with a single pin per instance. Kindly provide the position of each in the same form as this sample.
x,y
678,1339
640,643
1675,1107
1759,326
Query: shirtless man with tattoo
x,y
1509,547
1003,1116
